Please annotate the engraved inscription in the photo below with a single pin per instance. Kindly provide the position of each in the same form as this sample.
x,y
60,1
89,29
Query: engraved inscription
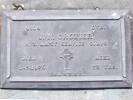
x,y
67,48
33,67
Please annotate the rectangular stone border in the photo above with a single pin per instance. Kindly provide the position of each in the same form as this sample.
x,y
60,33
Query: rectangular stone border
x,y
5,76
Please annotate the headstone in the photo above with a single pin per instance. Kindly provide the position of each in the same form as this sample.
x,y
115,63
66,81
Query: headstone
x,y
66,49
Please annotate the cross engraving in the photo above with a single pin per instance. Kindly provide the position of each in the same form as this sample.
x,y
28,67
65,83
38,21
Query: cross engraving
x,y
67,56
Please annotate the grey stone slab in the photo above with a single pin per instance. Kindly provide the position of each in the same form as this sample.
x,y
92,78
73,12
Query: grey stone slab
x,y
66,49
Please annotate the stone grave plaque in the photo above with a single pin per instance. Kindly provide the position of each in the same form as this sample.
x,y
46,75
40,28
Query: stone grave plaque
x,y
66,49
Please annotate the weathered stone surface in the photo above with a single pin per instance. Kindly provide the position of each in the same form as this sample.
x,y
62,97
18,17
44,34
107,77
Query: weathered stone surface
x,y
120,94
